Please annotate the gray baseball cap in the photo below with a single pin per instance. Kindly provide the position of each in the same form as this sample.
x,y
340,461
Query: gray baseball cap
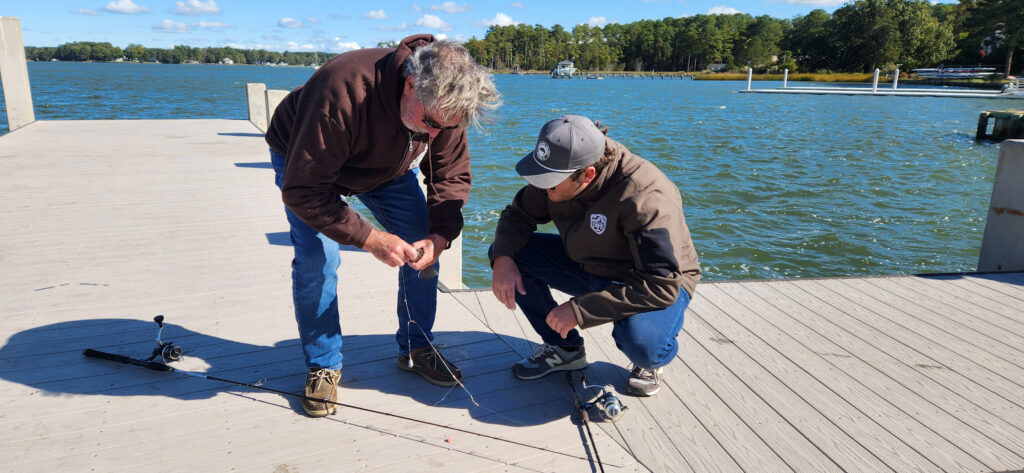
x,y
565,145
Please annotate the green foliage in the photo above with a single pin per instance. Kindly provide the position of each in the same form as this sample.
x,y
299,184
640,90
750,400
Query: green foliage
x,y
859,37
90,51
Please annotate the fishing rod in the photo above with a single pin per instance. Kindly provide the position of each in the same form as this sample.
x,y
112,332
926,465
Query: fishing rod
x,y
176,351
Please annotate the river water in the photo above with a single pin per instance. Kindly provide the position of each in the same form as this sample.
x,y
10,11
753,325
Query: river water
x,y
773,186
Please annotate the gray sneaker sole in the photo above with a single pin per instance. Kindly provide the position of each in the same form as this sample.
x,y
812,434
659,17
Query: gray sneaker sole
x,y
405,367
576,365
640,392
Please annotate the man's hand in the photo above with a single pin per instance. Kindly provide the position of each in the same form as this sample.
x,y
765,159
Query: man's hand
x,y
390,249
505,279
562,319
432,247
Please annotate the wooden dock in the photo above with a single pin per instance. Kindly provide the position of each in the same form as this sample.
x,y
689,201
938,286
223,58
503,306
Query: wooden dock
x,y
109,223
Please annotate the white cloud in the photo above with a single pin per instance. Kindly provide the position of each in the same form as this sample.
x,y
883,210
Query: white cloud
x,y
722,10
500,19
85,11
817,3
289,23
376,15
597,21
171,26
440,36
451,7
434,22
127,7
213,25
196,7
401,27
517,5
235,45
342,46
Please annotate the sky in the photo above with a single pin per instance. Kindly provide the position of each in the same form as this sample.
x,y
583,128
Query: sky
x,y
337,26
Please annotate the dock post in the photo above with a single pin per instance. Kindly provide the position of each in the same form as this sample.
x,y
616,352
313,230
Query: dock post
x,y
14,74
1002,248
256,93
750,76
785,77
273,99
895,78
874,86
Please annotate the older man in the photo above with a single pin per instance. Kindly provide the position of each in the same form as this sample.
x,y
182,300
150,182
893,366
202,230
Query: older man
x,y
362,126
623,251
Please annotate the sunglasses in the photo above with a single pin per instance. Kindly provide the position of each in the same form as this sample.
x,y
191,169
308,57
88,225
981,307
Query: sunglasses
x,y
432,124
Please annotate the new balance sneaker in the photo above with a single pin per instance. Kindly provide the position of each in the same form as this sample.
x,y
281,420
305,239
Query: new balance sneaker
x,y
431,365
548,358
321,383
644,382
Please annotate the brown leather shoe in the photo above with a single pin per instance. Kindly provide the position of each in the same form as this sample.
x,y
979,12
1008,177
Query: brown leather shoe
x,y
431,365
321,383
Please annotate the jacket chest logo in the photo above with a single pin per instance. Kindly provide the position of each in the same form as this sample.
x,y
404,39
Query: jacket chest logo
x,y
598,223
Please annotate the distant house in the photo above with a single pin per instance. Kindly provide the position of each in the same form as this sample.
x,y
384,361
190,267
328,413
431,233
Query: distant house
x,y
227,60
717,67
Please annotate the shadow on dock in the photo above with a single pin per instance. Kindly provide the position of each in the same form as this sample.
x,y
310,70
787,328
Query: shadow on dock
x,y
49,358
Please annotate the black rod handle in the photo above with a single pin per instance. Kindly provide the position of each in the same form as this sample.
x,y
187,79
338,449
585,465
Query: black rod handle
x,y
89,352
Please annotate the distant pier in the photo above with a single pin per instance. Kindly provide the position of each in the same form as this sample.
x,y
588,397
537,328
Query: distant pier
x,y
1012,92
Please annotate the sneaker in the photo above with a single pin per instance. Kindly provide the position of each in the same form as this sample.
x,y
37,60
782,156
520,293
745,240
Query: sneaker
x,y
548,358
321,383
431,365
644,382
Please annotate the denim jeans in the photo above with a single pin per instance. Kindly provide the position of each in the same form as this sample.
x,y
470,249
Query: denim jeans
x,y
401,209
648,339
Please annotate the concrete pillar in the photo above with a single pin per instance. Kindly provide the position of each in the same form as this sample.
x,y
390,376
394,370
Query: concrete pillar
x,y
874,86
750,76
1002,247
256,94
785,78
273,99
14,74
896,78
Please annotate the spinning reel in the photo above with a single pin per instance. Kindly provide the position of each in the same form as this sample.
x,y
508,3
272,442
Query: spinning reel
x,y
606,402
165,350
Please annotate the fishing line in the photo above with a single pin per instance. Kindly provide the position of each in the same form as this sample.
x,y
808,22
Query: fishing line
x,y
153,365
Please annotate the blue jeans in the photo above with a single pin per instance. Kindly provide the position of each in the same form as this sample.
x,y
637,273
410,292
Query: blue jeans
x,y
402,210
648,339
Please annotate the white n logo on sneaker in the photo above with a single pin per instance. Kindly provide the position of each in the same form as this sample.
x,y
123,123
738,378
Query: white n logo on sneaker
x,y
554,361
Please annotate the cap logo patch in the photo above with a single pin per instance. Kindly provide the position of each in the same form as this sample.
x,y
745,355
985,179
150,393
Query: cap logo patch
x,y
543,151
598,223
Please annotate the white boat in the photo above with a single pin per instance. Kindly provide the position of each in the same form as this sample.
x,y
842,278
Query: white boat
x,y
563,69
954,72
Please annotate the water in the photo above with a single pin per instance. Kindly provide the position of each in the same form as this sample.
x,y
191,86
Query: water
x,y
773,186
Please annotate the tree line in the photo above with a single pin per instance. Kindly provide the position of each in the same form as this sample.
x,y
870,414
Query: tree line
x,y
93,51
858,37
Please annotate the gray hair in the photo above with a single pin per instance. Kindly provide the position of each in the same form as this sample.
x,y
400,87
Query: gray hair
x,y
448,80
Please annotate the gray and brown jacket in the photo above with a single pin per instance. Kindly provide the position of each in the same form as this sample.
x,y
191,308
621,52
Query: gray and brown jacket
x,y
626,226
342,133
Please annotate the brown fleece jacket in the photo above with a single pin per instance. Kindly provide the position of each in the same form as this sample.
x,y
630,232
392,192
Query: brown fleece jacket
x,y
342,133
